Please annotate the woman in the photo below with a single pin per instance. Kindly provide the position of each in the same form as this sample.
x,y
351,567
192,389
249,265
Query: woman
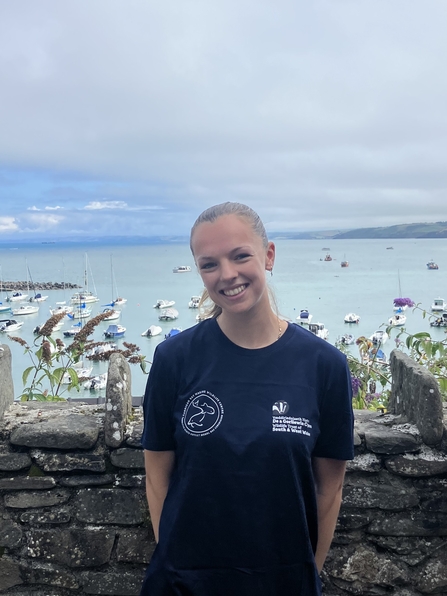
x,y
248,426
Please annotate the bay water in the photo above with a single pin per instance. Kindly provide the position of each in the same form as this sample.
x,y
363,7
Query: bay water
x,y
301,279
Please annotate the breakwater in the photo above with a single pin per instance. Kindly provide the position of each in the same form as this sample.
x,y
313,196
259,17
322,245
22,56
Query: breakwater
x,y
75,520
25,286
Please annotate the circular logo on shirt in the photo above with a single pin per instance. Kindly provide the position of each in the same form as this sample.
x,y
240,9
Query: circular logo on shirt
x,y
202,414
280,408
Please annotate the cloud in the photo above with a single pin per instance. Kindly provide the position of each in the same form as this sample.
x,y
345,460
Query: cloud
x,y
106,205
8,224
40,222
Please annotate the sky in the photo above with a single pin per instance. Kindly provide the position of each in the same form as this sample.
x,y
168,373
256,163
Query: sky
x,y
130,117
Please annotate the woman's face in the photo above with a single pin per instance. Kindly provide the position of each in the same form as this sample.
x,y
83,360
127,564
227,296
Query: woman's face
x,y
232,260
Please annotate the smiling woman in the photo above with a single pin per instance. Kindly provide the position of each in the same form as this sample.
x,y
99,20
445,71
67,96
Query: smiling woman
x,y
248,426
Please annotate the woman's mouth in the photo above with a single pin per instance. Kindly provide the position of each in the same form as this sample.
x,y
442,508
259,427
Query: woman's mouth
x,y
234,291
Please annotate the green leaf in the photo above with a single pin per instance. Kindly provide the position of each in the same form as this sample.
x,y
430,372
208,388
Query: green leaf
x,y
26,373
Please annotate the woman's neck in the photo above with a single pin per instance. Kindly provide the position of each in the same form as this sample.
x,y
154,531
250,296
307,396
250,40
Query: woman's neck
x,y
252,331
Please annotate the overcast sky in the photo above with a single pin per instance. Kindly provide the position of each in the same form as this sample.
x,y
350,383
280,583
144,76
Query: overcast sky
x,y
130,117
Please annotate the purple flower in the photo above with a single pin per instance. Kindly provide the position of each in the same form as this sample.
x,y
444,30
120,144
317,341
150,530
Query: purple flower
x,y
356,384
403,302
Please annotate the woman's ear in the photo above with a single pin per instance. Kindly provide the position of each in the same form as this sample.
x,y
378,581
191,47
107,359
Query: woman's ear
x,y
270,256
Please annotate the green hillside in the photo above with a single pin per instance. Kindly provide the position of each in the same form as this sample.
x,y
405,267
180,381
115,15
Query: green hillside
x,y
417,230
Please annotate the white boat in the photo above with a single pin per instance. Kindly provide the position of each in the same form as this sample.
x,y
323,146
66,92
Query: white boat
x,y
96,352
438,305
182,269
113,314
397,320
152,331
82,372
379,337
194,302
85,296
164,303
374,355
114,331
17,297
56,327
37,298
66,308
96,383
119,301
439,321
9,325
27,309
82,312
432,265
319,330
168,314
4,307
351,317
73,330
347,339
304,318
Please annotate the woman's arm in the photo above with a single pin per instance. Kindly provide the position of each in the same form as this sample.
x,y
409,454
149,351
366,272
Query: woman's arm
x,y
158,466
329,475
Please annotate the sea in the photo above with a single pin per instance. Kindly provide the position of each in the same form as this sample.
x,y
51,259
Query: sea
x,y
379,271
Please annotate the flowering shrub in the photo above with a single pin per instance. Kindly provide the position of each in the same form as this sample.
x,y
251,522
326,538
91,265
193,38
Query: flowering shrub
x,y
403,302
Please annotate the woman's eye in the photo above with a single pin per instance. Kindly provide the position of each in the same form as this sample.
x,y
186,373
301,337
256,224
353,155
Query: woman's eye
x,y
242,256
209,265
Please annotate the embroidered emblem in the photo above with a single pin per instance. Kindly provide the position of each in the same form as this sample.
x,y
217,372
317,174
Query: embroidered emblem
x,y
280,408
202,414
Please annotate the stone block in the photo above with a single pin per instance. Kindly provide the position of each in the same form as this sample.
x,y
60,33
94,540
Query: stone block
x,y
412,523
118,405
390,498
427,462
415,396
432,578
27,483
13,462
91,480
64,432
109,506
112,584
75,548
10,534
380,438
68,462
127,458
135,546
32,499
9,574
6,383
40,573
53,516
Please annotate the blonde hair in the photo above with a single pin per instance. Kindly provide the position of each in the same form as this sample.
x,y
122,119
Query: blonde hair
x,y
207,308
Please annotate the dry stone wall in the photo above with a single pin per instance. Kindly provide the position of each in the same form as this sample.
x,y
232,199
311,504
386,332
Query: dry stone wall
x,y
74,519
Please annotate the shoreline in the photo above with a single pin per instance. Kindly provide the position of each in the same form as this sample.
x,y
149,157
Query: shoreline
x,y
13,286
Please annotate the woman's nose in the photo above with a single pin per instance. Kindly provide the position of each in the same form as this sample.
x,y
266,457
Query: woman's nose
x,y
228,270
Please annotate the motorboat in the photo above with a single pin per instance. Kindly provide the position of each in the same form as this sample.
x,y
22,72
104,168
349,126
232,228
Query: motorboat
x,y
328,257
194,302
26,309
152,331
344,263
115,331
96,352
4,307
168,314
56,327
82,312
84,298
182,269
113,314
174,331
37,298
374,355
82,372
61,307
164,303
96,383
319,330
438,305
73,330
432,265
304,318
347,339
379,337
10,325
351,317
17,297
439,321
119,301
397,320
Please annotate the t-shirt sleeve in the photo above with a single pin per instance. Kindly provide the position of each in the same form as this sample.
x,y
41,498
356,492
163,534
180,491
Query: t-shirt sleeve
x,y
336,439
158,405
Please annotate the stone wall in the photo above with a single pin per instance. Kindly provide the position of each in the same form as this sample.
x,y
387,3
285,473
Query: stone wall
x,y
74,518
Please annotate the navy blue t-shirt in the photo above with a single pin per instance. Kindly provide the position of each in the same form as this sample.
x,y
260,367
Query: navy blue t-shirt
x,y
240,516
